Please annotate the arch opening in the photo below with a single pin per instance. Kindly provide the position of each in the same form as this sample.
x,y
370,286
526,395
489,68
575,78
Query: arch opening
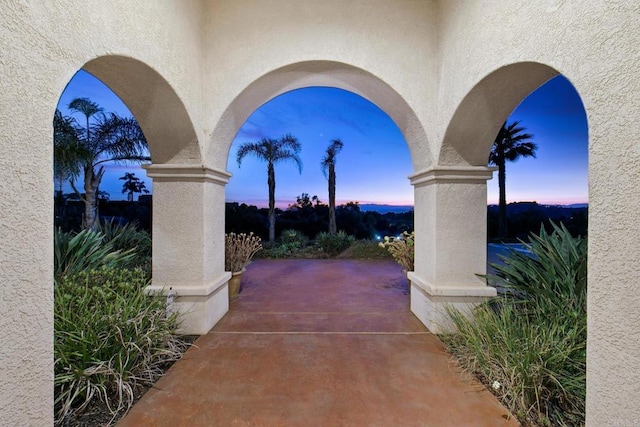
x,y
550,121
319,74
91,139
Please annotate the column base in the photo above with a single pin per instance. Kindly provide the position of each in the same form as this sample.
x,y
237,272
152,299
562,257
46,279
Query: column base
x,y
429,302
200,307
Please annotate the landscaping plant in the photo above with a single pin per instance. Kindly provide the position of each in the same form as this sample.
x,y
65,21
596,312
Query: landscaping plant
x,y
401,248
110,339
333,244
239,249
74,253
529,343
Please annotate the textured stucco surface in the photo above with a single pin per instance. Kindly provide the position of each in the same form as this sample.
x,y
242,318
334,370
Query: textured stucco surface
x,y
448,72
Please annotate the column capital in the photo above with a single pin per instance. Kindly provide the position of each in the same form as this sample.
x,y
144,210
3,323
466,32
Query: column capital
x,y
187,172
452,175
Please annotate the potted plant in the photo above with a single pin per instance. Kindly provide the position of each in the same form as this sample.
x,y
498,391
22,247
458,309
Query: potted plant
x,y
239,249
401,249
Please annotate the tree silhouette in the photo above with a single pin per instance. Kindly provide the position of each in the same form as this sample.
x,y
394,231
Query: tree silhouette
x,y
510,144
79,148
328,165
132,184
272,151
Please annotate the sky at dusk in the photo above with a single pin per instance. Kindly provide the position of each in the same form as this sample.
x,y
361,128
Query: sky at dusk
x,y
374,164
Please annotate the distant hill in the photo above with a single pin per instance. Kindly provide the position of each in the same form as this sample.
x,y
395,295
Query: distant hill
x,y
550,211
577,205
524,218
385,208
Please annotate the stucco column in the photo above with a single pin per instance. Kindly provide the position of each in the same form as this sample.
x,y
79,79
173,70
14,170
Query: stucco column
x,y
188,242
451,246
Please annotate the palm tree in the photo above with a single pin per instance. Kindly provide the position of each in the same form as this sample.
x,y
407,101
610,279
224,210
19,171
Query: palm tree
x,y
272,151
511,143
79,148
132,184
328,165
65,149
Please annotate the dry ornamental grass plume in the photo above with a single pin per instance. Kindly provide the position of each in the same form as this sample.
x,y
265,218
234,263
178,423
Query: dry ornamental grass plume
x,y
401,248
239,249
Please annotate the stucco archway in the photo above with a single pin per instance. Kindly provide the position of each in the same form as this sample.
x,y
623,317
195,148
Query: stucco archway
x,y
181,185
319,73
438,281
155,105
479,116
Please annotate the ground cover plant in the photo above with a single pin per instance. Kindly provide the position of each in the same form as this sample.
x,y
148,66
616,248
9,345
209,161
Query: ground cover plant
x,y
110,338
365,249
334,244
529,344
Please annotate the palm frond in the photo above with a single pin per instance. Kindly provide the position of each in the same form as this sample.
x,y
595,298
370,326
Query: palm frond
x,y
120,138
330,155
257,149
85,106
68,152
511,144
272,150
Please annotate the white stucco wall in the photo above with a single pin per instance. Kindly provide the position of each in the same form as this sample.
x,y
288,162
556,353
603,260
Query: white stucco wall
x,y
247,39
215,61
595,45
43,44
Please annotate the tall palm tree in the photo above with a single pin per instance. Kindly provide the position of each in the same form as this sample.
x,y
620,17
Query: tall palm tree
x,y
272,151
511,143
106,138
328,165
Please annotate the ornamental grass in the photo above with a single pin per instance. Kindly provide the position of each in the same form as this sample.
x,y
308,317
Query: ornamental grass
x,y
239,249
529,343
111,339
401,249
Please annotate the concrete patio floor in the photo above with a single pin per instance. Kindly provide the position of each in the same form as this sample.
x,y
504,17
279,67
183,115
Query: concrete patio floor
x,y
318,343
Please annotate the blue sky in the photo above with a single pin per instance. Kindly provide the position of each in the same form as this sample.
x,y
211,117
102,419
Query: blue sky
x,y
375,161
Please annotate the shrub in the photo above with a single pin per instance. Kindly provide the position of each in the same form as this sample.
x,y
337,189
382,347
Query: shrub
x,y
531,340
401,249
333,244
293,239
110,338
129,236
74,253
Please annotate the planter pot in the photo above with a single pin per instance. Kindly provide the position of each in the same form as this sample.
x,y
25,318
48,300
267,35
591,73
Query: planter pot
x,y
234,284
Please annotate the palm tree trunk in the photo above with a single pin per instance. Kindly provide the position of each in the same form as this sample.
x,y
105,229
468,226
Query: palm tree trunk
x,y
91,186
502,212
90,200
271,181
332,200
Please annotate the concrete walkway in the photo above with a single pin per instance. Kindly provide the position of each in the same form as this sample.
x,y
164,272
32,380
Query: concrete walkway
x,y
318,343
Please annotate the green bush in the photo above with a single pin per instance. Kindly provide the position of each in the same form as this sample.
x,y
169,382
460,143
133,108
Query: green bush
x,y
531,340
110,338
333,244
129,236
114,246
74,253
294,239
